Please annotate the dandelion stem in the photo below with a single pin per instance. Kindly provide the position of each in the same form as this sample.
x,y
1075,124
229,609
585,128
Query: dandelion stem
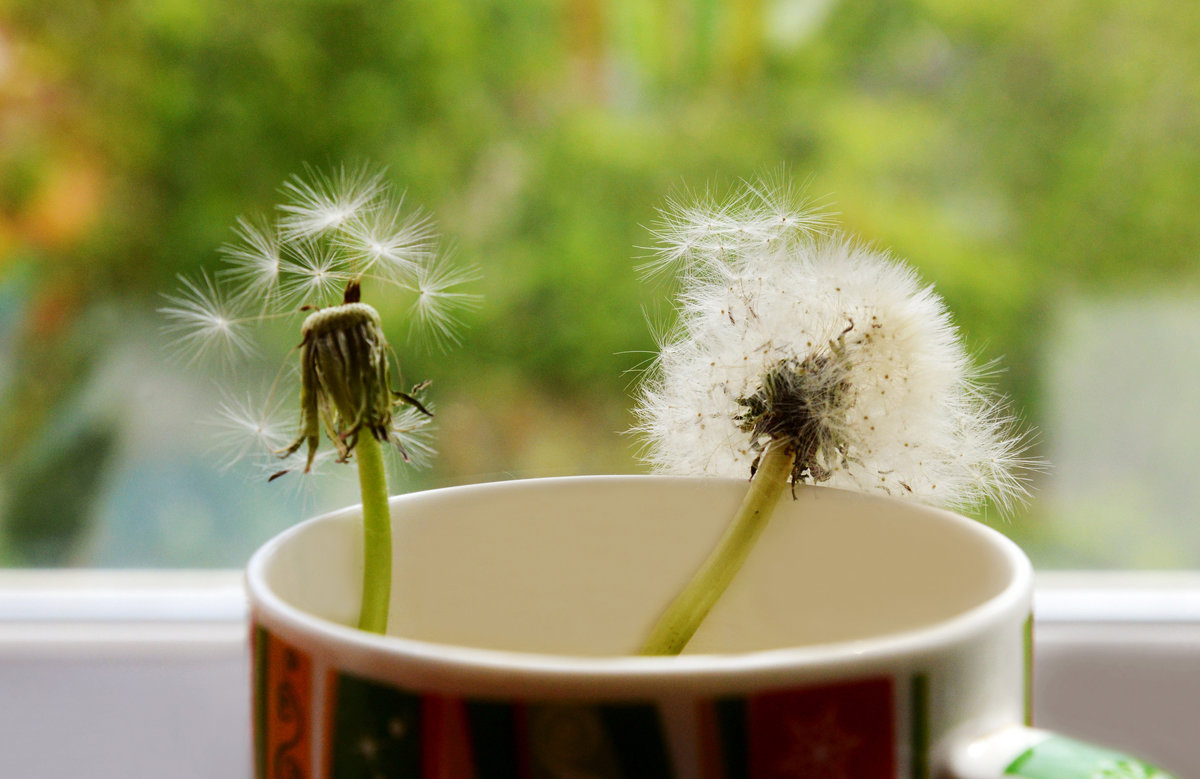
x,y
377,535
684,615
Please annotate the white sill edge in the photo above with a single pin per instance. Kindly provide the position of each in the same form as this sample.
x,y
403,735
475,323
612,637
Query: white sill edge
x,y
63,599
1117,597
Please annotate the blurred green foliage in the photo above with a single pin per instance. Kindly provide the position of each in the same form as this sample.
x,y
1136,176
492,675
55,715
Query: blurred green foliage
x,y
1013,152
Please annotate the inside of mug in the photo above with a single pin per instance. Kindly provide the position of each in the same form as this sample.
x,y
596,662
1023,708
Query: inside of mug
x,y
585,566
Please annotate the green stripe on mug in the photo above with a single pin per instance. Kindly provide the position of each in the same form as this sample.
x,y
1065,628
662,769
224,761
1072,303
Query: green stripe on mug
x,y
1064,758
919,725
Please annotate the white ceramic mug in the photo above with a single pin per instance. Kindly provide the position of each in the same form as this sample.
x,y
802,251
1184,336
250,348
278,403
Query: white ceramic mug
x,y
865,638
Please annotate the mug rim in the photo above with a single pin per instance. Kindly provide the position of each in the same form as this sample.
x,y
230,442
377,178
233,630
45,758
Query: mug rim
x,y
451,667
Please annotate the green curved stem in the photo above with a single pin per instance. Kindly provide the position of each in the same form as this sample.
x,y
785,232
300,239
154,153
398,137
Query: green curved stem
x,y
683,616
377,535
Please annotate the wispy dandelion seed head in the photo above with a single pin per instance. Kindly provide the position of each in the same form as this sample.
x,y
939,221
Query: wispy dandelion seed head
x,y
332,233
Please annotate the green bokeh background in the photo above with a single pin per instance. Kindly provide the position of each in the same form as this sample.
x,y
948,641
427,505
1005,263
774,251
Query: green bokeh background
x,y
1029,158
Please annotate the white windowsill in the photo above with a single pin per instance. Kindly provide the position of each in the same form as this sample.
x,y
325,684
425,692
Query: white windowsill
x,y
1070,597
145,673
166,599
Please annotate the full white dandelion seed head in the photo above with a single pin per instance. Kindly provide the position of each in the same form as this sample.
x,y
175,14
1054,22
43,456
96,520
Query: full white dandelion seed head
x,y
841,352
318,203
